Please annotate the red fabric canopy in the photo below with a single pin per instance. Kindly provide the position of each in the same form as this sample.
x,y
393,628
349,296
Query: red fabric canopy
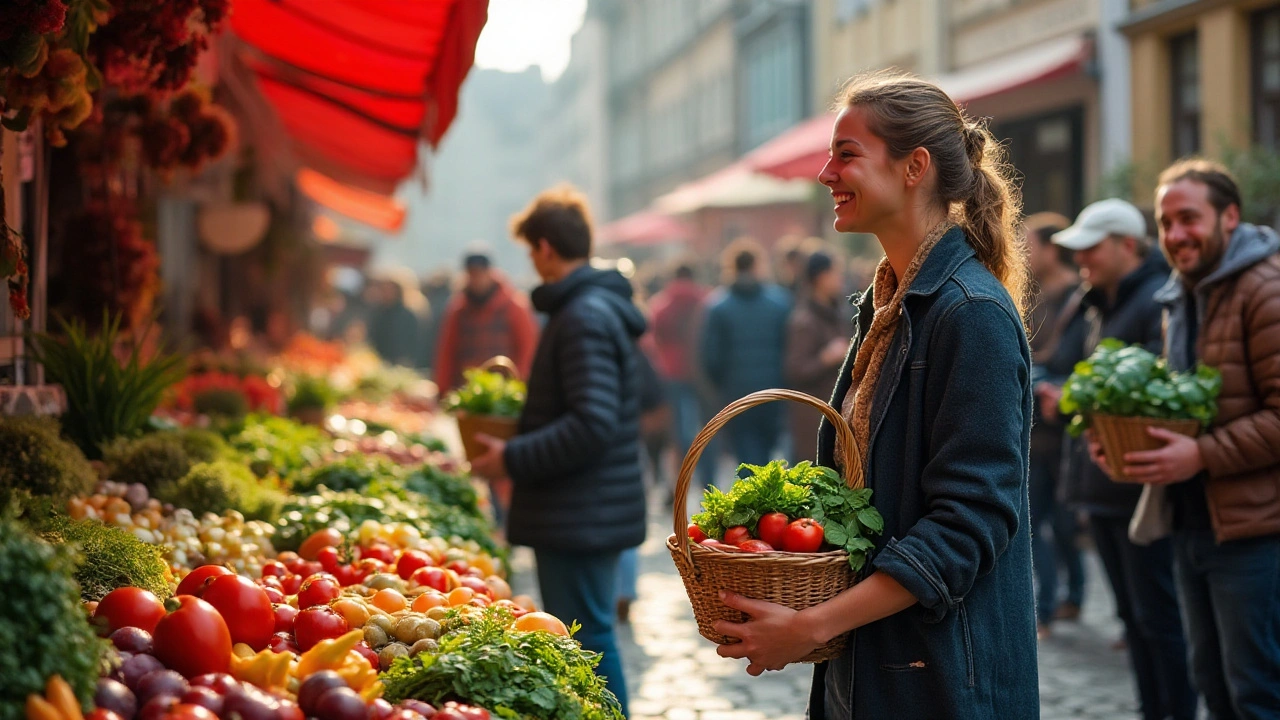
x,y
357,83
644,228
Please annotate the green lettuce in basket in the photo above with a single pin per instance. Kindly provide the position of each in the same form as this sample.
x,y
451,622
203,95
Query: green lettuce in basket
x,y
804,491
487,393
1130,381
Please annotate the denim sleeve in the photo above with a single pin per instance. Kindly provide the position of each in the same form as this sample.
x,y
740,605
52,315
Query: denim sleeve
x,y
590,376
977,404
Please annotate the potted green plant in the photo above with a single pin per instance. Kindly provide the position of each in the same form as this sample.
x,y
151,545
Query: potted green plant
x,y
488,402
1120,391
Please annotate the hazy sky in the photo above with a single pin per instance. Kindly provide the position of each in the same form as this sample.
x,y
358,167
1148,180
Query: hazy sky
x,y
521,33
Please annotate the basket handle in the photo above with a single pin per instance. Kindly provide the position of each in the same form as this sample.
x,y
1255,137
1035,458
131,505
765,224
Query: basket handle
x,y
501,362
851,460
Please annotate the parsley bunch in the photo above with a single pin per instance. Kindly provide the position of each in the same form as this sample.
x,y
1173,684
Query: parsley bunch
x,y
513,674
806,490
487,393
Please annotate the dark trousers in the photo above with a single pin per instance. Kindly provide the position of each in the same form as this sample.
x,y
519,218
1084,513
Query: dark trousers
x,y
1230,597
1053,544
689,414
583,587
1146,600
755,434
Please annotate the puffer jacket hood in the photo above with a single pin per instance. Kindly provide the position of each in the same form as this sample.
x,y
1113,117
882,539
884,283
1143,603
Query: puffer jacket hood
x,y
551,297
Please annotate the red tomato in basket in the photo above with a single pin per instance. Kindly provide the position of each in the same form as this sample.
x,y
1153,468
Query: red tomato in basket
x,y
773,527
756,546
696,534
737,535
803,536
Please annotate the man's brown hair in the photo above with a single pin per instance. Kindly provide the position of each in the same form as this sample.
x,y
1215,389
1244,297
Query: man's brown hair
x,y
1223,191
561,217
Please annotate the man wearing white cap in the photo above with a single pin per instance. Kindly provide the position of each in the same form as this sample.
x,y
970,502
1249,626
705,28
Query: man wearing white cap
x,y
1109,240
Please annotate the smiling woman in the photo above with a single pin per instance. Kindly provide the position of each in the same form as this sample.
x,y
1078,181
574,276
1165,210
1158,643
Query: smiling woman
x,y
937,389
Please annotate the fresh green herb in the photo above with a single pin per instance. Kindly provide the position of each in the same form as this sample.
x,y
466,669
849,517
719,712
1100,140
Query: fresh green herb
x,y
106,398
35,461
806,490
311,392
279,445
152,460
43,629
487,393
220,486
110,557
515,675
1131,381
444,488
352,472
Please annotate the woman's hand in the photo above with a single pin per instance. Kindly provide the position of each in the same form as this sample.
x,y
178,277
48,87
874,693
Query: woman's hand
x,y
773,637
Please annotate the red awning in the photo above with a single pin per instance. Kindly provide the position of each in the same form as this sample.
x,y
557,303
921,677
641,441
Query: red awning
x,y
358,84
802,151
372,209
644,228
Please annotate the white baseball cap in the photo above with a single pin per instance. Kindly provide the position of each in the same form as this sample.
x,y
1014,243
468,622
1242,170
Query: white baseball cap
x,y
1103,218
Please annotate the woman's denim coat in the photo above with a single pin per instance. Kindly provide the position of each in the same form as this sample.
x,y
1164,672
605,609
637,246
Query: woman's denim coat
x,y
950,432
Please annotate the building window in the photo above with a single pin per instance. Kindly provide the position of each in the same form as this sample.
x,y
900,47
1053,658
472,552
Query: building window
x,y
1184,53
1265,54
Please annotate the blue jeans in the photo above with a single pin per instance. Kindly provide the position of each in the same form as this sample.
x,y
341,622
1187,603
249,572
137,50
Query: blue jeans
x,y
628,573
689,415
1058,550
1231,606
755,434
583,587
1147,603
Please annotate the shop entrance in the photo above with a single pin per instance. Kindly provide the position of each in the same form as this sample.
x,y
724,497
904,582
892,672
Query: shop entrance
x,y
1048,152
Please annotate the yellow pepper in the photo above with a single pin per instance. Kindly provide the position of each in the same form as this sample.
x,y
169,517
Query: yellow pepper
x,y
358,673
266,669
328,654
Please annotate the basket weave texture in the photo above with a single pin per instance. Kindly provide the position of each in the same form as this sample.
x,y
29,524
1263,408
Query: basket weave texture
x,y
796,580
503,428
1119,435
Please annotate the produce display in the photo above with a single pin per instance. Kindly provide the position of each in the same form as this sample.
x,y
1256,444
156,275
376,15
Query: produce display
x,y
262,571
1131,381
801,509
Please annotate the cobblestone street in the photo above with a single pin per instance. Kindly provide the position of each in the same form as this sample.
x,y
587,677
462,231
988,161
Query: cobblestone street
x,y
675,674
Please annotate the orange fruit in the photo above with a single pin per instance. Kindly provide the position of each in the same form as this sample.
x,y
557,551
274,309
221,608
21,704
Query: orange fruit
x,y
534,621
461,596
389,599
354,611
428,600
525,602
499,587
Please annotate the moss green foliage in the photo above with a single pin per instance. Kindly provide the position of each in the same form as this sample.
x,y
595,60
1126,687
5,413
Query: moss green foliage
x,y
106,398
383,502
513,674
221,402
220,486
1133,382
36,461
109,557
203,445
353,472
487,393
279,445
152,460
311,392
445,488
43,630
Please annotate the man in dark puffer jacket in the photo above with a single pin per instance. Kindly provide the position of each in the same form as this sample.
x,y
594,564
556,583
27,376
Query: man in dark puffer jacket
x,y
578,492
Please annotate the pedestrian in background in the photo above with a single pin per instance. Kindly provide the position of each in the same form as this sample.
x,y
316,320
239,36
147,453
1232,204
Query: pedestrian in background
x,y
1053,525
488,318
578,488
393,325
1223,309
437,288
742,346
675,311
1109,241
818,334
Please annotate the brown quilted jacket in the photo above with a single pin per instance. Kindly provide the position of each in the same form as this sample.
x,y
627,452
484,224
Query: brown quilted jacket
x,y
1239,335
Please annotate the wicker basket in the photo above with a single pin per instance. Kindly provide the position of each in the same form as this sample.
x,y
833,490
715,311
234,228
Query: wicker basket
x,y
796,580
503,428
1120,435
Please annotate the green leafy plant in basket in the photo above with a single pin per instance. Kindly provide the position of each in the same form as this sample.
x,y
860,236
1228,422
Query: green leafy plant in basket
x,y
484,392
1130,381
107,396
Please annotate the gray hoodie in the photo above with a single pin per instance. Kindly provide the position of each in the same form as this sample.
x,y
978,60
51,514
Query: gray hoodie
x,y
1249,245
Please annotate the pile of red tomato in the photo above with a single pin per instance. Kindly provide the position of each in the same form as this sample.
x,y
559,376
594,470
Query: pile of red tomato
x,y
774,532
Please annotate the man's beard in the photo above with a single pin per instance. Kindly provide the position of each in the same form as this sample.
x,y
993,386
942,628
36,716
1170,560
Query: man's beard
x,y
1211,253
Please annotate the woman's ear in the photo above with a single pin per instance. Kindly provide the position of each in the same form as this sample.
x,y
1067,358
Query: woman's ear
x,y
917,166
